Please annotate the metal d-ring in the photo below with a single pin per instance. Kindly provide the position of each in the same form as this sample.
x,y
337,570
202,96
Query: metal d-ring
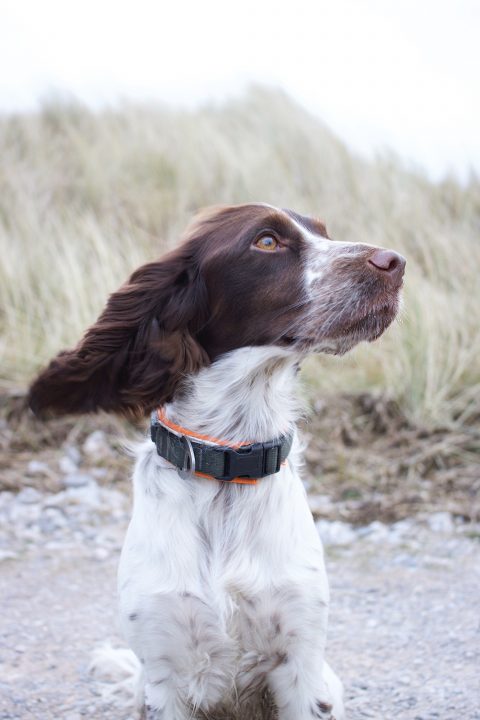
x,y
190,453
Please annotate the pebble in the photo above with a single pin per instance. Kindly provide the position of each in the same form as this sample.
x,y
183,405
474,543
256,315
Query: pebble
x,y
99,473
441,522
7,555
77,479
29,495
73,453
96,445
320,504
101,553
405,560
36,467
376,531
67,465
335,532
84,515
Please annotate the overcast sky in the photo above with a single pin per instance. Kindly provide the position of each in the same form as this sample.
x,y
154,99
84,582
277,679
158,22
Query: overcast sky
x,y
401,74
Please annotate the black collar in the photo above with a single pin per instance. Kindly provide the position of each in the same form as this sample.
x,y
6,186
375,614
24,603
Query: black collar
x,y
229,464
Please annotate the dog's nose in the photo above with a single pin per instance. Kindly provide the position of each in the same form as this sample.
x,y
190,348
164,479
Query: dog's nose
x,y
389,262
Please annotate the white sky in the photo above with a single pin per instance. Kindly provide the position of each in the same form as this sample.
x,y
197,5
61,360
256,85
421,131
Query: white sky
x,y
381,73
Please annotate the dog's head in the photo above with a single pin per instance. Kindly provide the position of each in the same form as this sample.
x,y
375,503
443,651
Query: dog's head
x,y
244,275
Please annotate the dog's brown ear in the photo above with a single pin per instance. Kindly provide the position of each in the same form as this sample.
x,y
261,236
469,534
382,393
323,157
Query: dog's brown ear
x,y
134,357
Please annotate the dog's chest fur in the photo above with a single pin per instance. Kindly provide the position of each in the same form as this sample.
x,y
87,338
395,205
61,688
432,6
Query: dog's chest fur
x,y
222,577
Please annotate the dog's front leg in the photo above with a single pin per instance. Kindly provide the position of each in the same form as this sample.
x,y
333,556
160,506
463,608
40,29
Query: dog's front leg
x,y
291,631
188,657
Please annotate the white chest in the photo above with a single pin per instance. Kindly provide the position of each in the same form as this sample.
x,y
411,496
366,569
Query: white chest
x,y
190,534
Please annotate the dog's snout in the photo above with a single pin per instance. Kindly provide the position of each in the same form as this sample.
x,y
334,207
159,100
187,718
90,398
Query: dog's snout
x,y
389,262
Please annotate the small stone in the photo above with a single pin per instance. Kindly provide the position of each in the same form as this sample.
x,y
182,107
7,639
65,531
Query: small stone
x,y
36,467
405,560
96,445
320,504
441,522
67,465
101,553
77,479
401,529
376,531
81,499
99,472
7,555
73,453
54,517
29,496
335,532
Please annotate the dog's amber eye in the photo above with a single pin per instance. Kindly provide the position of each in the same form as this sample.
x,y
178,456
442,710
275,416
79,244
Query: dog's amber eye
x,y
266,242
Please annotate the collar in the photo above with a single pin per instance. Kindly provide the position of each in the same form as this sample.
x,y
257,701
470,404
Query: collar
x,y
242,463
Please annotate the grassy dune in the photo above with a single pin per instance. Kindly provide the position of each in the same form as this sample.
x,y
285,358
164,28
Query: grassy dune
x,y
85,197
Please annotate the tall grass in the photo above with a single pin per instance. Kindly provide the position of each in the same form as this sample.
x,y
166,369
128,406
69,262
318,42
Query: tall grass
x,y
85,197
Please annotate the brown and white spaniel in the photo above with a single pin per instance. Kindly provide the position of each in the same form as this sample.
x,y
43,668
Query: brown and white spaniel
x,y
223,593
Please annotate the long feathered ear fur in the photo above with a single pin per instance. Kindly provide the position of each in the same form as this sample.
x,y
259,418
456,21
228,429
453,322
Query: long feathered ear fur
x,y
136,354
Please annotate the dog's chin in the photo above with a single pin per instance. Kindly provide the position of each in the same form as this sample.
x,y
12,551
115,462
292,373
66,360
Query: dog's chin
x,y
367,329
344,337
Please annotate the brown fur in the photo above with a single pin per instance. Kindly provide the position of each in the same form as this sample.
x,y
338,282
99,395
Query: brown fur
x,y
141,344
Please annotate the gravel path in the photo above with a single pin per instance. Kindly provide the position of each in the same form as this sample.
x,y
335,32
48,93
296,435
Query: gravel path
x,y
405,620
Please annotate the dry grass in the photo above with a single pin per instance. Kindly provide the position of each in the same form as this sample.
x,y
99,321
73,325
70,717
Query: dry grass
x,y
84,198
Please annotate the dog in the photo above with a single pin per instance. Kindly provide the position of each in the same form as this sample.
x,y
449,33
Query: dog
x,y
223,592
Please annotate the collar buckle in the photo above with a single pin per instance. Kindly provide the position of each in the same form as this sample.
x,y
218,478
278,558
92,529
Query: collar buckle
x,y
190,454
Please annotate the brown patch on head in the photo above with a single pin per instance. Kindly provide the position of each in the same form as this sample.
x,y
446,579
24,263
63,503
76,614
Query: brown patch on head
x,y
253,296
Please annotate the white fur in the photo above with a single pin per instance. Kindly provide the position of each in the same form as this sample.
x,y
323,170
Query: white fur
x,y
322,251
223,587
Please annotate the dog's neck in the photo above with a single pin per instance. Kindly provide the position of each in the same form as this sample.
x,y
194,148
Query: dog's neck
x,y
247,395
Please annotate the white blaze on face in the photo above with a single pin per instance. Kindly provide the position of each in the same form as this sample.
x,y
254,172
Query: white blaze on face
x,y
322,252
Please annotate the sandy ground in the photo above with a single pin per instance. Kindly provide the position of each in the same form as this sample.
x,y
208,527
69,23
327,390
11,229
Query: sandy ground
x,y
404,631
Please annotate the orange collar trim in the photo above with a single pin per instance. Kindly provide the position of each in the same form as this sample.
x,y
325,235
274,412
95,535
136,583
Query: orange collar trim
x,y
183,431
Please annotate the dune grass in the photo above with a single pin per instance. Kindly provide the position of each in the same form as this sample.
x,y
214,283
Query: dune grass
x,y
85,197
